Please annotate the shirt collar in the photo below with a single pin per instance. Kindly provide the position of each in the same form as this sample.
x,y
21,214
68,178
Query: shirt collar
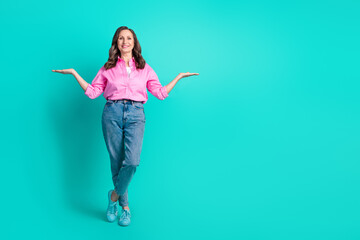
x,y
132,60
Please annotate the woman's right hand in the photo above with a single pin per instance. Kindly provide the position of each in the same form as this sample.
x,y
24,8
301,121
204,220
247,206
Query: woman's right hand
x,y
65,71
81,81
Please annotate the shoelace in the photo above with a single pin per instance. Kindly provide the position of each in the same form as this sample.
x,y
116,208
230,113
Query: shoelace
x,y
124,214
112,208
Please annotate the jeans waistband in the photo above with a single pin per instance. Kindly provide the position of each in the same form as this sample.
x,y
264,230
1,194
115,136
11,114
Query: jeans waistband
x,y
124,101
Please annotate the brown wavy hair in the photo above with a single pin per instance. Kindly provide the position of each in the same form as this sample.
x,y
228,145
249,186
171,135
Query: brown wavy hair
x,y
114,52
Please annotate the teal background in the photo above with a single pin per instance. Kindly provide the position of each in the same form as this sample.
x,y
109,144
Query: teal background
x,y
263,144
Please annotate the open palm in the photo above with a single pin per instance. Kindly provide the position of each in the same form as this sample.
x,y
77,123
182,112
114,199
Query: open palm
x,y
187,74
65,71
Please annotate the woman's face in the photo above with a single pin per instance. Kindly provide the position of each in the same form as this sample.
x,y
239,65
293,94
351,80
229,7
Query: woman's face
x,y
125,42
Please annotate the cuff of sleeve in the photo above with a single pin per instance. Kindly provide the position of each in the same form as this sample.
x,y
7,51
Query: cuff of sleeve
x,y
164,92
87,91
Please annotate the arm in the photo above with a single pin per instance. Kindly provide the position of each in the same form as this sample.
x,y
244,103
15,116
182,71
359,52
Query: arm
x,y
154,86
156,89
97,86
81,81
172,84
92,90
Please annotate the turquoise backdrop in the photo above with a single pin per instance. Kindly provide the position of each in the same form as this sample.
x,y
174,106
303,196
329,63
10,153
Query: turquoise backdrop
x,y
263,144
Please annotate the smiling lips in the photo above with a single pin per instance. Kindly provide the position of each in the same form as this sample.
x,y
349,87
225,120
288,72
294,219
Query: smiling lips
x,y
125,46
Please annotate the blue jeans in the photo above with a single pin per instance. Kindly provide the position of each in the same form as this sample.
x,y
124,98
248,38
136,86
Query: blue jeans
x,y
123,125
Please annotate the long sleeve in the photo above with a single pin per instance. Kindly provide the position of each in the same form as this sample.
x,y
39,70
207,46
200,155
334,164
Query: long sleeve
x,y
154,86
97,87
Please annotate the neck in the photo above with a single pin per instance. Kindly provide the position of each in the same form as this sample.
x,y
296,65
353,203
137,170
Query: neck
x,y
126,57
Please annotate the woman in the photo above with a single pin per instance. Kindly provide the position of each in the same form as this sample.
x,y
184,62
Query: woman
x,y
124,79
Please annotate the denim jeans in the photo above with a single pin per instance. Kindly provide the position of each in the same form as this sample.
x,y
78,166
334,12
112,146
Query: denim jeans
x,y
123,125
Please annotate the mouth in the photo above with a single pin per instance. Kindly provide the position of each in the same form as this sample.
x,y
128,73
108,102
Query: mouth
x,y
125,46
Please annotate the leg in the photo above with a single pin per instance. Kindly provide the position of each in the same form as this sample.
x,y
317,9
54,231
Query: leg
x,y
133,139
123,199
114,141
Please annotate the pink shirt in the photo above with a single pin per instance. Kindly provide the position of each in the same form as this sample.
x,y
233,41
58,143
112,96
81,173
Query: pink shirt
x,y
116,84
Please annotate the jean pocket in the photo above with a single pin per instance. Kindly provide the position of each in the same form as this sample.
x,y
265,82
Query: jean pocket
x,y
139,106
109,103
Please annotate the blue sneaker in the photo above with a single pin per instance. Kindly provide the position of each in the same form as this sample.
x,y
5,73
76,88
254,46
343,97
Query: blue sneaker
x,y
112,211
124,218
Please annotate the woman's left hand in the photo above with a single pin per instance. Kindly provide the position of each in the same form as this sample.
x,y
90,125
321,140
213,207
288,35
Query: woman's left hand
x,y
187,74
